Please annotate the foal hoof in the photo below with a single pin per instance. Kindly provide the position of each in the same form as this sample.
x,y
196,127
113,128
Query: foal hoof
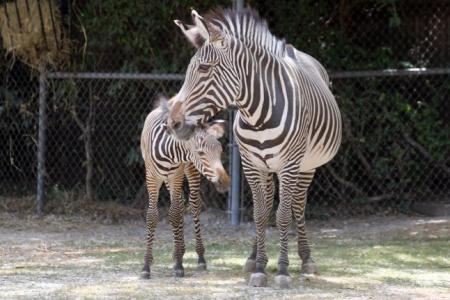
x,y
250,266
145,275
258,280
309,268
179,273
201,267
283,281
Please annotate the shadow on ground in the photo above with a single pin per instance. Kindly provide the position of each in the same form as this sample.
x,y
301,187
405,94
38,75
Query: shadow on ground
x,y
378,258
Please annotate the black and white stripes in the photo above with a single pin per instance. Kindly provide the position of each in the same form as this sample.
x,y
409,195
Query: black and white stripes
x,y
288,121
168,160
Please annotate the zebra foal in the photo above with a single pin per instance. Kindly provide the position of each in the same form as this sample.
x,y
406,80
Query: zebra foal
x,y
168,160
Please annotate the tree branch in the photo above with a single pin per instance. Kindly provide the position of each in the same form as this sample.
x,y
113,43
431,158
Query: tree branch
x,y
348,131
379,198
77,119
416,145
343,181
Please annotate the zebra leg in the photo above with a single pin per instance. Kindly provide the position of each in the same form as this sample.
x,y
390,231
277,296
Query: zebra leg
x,y
193,177
308,264
257,180
298,208
153,187
250,264
176,214
288,180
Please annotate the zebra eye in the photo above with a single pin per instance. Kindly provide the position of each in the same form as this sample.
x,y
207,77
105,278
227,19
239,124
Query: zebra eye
x,y
203,68
201,153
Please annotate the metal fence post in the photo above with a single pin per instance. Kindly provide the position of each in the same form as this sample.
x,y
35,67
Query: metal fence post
x,y
235,161
40,199
235,179
238,4
230,156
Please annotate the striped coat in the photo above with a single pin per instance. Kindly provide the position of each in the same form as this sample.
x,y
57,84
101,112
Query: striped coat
x,y
288,123
168,160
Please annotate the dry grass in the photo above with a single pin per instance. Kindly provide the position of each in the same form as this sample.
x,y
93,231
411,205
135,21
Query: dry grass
x,y
21,31
74,257
72,204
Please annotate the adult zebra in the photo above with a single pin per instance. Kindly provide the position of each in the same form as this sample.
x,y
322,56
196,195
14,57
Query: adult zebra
x,y
288,121
167,160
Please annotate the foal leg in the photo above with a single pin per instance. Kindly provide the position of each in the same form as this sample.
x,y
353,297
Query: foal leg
x,y
153,187
195,202
298,208
176,214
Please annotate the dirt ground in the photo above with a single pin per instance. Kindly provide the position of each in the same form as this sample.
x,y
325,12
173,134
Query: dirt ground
x,y
73,258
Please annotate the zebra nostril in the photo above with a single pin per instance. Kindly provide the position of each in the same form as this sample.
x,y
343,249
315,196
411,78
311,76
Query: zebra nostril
x,y
176,125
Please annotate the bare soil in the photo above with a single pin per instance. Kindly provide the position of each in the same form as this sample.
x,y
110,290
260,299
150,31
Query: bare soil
x,y
75,258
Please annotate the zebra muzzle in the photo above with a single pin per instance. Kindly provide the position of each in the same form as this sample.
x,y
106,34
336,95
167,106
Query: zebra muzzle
x,y
223,182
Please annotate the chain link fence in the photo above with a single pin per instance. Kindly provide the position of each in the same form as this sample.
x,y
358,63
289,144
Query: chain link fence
x,y
18,130
395,149
394,152
396,139
365,35
94,126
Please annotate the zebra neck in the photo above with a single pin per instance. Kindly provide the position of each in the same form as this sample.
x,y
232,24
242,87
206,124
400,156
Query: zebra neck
x,y
267,92
188,148
180,150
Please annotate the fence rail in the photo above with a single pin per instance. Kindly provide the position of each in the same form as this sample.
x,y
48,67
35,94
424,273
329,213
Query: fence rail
x,y
176,76
103,75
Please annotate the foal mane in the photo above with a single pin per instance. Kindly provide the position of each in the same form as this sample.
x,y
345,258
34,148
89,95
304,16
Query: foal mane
x,y
162,103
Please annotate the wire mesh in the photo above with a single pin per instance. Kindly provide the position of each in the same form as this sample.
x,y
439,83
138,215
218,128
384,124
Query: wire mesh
x,y
360,35
18,130
394,150
395,147
112,111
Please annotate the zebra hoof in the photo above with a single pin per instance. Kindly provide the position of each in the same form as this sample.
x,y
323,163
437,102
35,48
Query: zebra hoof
x,y
250,266
145,275
258,280
309,268
201,267
283,281
179,273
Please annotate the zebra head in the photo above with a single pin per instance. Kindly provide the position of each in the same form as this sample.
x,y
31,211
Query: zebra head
x,y
206,152
212,79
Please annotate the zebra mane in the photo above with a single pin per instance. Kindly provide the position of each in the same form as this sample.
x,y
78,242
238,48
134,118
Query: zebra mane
x,y
247,26
162,103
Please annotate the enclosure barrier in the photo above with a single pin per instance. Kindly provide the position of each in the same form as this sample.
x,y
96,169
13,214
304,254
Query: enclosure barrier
x,y
235,203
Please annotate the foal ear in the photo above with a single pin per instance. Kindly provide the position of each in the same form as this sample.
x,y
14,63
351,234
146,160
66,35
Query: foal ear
x,y
161,102
192,33
216,128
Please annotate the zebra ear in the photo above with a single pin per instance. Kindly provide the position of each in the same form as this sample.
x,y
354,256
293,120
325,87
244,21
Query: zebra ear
x,y
192,33
200,24
216,128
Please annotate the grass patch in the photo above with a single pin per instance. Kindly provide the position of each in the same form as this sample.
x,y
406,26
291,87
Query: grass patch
x,y
404,262
105,262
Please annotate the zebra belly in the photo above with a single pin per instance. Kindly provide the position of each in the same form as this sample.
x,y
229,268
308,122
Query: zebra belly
x,y
316,157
